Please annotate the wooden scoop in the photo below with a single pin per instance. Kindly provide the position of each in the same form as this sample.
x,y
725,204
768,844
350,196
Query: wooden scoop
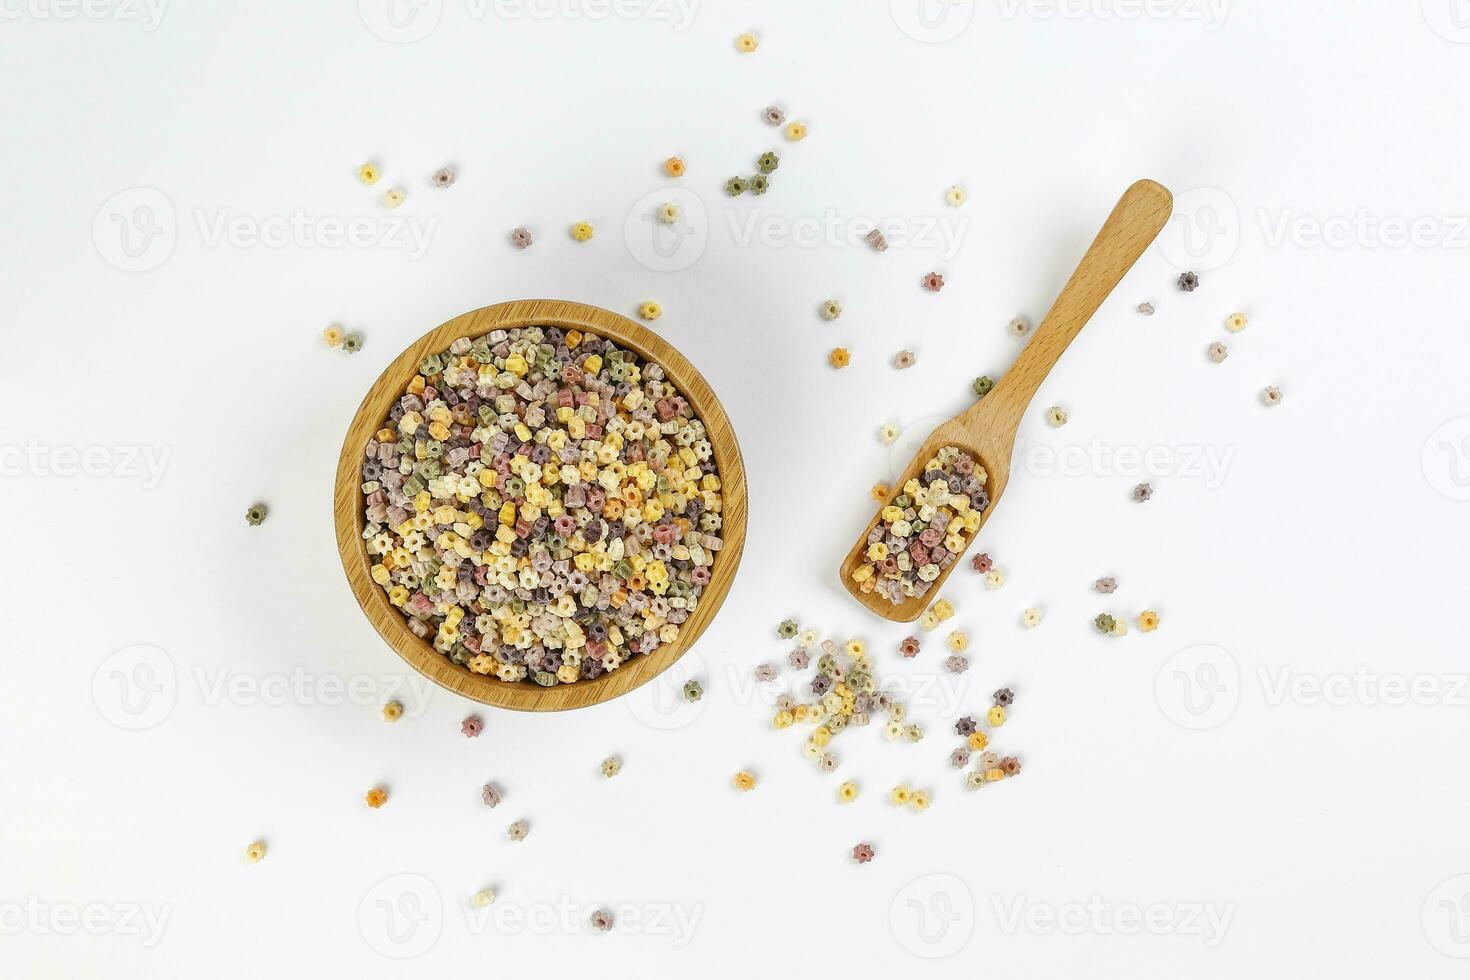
x,y
987,430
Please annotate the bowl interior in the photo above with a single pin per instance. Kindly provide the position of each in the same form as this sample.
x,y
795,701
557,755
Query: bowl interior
x,y
350,521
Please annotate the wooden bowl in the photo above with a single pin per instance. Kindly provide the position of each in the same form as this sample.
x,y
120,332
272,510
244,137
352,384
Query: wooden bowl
x,y
348,507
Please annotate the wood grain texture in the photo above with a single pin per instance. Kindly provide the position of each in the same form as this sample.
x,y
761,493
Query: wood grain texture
x,y
347,504
988,428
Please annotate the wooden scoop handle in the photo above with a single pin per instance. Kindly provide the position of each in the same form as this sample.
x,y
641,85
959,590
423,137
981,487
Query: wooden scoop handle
x,y
1139,216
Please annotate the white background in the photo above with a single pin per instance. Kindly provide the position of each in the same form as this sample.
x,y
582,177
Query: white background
x,y
1326,830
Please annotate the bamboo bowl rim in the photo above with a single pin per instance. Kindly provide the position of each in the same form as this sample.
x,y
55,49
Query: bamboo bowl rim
x,y
350,520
